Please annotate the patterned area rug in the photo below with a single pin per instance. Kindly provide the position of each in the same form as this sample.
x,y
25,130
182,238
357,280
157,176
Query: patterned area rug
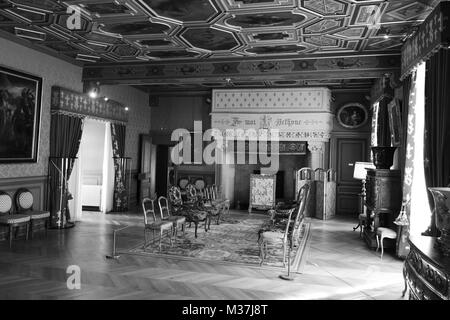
x,y
235,240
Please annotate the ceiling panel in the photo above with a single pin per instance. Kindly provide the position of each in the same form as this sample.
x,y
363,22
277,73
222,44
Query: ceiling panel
x,y
148,30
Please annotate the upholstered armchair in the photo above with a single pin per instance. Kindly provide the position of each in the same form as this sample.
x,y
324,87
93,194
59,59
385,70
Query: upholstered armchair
x,y
7,218
150,223
24,203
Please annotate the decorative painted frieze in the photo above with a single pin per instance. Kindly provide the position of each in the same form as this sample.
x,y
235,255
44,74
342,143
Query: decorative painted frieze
x,y
272,100
287,127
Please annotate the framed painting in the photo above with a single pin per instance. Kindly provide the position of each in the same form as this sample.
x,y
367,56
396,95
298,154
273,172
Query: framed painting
x,y
395,122
20,110
262,191
352,115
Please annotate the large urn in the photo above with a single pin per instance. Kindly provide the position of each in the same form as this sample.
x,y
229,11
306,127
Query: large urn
x,y
441,197
383,156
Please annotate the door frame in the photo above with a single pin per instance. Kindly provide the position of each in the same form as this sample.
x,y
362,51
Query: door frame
x,y
334,148
346,135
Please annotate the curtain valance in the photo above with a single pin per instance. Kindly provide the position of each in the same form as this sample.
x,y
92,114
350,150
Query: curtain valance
x,y
433,34
69,102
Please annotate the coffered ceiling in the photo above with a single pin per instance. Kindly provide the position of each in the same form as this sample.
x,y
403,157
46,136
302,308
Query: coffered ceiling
x,y
166,31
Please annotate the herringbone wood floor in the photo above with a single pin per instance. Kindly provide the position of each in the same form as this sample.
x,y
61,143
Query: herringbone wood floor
x,y
339,266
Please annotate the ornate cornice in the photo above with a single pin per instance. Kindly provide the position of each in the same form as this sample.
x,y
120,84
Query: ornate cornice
x,y
370,66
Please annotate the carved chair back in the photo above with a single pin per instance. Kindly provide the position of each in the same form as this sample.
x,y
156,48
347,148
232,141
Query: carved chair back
x,y
182,183
191,193
24,200
303,197
5,203
148,206
175,196
163,204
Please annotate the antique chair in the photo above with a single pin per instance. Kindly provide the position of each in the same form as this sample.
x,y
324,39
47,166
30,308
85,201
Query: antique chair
x,y
166,216
276,238
24,203
384,233
11,220
216,200
286,226
148,207
190,210
212,207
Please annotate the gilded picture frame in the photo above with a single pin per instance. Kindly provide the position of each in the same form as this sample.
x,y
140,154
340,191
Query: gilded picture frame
x,y
20,113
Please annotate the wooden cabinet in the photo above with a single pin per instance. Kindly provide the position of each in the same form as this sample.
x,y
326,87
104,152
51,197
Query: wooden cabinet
x,y
383,202
426,271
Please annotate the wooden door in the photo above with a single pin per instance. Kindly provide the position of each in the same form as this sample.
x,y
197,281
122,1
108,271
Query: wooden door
x,y
145,166
348,151
162,161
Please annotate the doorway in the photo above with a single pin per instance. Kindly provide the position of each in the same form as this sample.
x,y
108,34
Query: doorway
x,y
348,150
92,179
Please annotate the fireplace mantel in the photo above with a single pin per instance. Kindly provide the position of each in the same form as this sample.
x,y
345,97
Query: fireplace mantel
x,y
299,114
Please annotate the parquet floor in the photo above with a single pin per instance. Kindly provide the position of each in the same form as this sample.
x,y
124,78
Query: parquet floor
x,y
339,266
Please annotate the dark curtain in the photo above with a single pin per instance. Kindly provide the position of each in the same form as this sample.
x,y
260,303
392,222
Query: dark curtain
x,y
120,199
65,137
383,132
404,120
437,126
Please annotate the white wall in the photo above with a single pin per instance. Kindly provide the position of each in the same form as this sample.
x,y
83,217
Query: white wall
x,y
54,72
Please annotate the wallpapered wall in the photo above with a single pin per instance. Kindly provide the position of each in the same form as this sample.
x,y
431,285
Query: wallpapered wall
x,y
53,72
139,116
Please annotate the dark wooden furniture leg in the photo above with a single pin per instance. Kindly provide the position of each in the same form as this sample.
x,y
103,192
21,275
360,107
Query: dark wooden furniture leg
x,y
11,229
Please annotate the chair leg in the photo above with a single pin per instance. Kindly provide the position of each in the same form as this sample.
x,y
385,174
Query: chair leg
x,y
284,255
382,249
11,229
261,252
145,239
378,242
28,227
175,232
160,238
196,225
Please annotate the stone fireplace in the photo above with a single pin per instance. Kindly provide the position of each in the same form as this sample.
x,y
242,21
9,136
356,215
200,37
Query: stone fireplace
x,y
299,118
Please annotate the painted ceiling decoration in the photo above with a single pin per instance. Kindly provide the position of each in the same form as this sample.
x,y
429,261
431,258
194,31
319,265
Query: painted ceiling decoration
x,y
129,31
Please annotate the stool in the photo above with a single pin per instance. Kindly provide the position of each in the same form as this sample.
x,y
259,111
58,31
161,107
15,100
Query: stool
x,y
384,233
362,221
